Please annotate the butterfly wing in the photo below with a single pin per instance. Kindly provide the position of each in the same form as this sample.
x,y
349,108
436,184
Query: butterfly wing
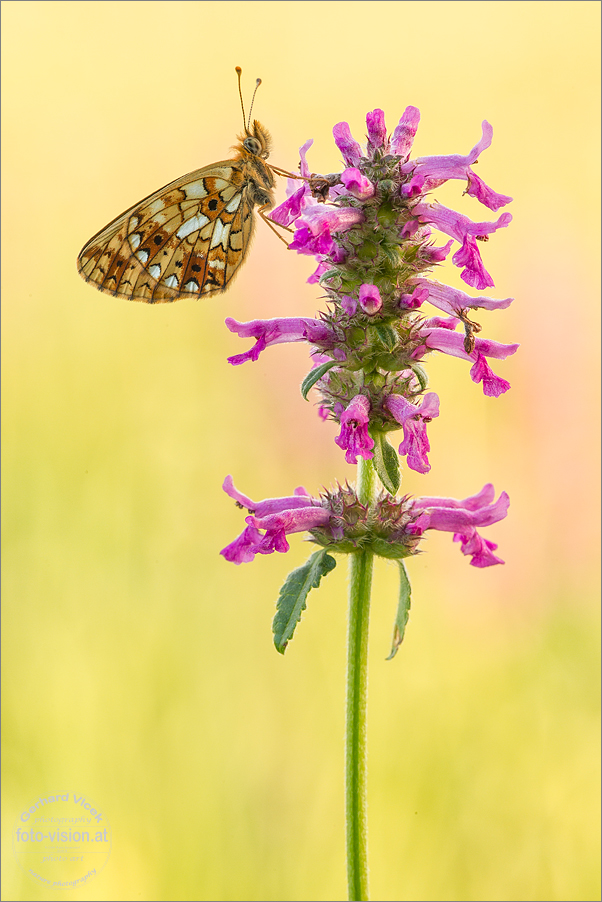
x,y
186,240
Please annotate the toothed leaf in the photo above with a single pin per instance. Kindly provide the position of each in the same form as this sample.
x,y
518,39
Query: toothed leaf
x,y
293,595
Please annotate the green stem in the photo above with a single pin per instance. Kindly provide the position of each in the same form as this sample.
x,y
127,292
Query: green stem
x,y
361,565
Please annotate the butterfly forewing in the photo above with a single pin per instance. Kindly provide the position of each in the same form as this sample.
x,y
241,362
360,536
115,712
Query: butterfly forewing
x,y
186,240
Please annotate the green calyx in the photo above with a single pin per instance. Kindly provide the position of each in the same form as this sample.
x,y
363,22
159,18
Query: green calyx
x,y
380,527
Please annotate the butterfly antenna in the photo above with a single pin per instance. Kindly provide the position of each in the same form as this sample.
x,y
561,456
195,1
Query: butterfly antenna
x,y
257,83
242,105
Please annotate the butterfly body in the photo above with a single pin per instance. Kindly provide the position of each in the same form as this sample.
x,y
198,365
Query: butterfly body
x,y
188,239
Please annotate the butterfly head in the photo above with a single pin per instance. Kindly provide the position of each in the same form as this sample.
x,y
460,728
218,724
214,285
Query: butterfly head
x,y
256,142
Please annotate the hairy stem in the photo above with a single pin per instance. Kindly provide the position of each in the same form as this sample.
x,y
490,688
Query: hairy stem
x,y
361,565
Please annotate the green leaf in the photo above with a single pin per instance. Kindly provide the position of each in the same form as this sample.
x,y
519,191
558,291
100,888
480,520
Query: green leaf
x,y
313,376
386,463
403,610
293,595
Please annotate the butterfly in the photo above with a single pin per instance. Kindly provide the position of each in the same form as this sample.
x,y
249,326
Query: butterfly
x,y
189,238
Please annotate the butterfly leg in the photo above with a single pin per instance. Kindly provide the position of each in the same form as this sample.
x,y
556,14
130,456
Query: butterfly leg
x,y
291,175
271,223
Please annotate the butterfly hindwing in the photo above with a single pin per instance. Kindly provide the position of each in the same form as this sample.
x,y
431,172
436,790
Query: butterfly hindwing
x,y
185,240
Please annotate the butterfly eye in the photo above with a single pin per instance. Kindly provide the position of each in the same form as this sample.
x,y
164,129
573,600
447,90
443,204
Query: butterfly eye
x,y
252,145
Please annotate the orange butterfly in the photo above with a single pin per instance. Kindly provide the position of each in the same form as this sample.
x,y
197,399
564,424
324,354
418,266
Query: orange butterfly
x,y
188,239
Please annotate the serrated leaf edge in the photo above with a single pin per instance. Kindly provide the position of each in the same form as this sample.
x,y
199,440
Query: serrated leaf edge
x,y
315,570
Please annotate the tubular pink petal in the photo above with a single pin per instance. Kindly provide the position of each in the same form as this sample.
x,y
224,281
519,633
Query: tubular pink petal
x,y
344,140
377,131
402,138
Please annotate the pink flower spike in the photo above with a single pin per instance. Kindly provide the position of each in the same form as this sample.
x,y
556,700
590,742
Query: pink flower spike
x,y
370,299
357,184
353,437
414,421
344,140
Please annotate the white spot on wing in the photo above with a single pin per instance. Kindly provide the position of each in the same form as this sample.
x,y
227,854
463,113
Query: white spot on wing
x,y
155,270
143,255
220,234
195,189
234,203
192,225
217,264
171,281
192,285
135,240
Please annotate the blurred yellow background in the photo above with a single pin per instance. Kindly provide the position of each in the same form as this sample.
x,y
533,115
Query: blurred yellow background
x,y
138,664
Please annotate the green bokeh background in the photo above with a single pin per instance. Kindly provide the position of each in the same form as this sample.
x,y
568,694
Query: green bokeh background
x,y
138,664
